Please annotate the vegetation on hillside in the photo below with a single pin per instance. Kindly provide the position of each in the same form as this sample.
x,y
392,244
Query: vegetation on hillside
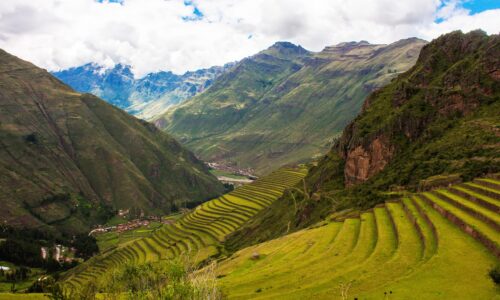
x,y
171,279
285,104
145,97
443,244
198,234
69,161
441,117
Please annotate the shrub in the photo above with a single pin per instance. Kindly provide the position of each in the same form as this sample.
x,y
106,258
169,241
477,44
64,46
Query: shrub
x,y
495,274
171,279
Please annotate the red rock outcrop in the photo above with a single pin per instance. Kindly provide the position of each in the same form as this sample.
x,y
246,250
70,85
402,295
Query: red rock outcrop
x,y
362,163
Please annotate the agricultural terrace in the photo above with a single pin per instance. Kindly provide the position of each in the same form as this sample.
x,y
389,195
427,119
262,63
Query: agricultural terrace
x,y
198,233
432,245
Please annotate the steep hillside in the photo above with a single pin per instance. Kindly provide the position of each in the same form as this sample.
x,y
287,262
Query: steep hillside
x,y
436,123
68,160
285,104
145,97
432,245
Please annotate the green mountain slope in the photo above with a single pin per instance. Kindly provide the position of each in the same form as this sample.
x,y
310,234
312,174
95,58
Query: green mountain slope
x,y
67,160
285,104
436,123
197,234
438,245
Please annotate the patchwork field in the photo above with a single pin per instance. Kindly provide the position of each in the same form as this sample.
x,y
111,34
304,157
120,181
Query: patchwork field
x,y
198,233
432,245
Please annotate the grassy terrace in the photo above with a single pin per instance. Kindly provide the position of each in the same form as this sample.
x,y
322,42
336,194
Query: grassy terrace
x,y
198,233
433,245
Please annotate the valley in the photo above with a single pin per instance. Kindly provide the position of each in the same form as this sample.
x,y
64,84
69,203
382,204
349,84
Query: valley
x,y
358,170
144,97
198,233
70,160
285,104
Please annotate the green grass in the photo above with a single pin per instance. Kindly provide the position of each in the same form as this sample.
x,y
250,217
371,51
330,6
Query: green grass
x,y
277,109
424,225
484,188
490,201
21,286
473,222
112,239
198,233
492,216
106,159
402,249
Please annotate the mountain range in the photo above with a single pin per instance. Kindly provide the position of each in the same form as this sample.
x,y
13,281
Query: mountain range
x,y
144,97
434,125
69,161
405,204
392,189
285,104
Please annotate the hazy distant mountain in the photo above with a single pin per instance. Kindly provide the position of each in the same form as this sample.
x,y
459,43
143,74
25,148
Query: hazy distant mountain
x,y
145,97
285,104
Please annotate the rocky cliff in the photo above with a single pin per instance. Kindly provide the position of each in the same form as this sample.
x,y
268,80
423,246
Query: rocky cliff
x,y
440,119
455,76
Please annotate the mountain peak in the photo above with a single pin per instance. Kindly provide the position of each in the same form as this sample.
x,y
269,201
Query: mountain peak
x,y
287,48
346,46
352,44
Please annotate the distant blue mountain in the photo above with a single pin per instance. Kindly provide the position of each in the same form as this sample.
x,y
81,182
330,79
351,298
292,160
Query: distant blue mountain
x,y
146,97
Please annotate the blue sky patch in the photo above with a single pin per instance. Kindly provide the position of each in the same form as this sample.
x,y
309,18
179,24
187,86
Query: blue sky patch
x,y
473,6
477,6
197,14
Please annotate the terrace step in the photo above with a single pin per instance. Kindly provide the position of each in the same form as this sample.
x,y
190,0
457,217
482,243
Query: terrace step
x,y
202,229
484,214
480,199
426,227
489,182
476,228
482,189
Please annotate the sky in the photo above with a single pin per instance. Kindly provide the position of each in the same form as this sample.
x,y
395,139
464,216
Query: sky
x,y
182,35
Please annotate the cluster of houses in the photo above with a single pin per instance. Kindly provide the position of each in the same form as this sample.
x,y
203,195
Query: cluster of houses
x,y
248,172
133,224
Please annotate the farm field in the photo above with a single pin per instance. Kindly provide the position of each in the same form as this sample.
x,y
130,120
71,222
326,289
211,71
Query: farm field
x,y
198,233
414,248
109,240
21,285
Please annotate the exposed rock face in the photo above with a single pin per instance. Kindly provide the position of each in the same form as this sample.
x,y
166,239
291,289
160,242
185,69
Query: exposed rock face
x,y
362,163
455,75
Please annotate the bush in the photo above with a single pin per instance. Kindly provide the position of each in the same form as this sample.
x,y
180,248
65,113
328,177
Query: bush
x,y
86,246
21,252
495,274
171,279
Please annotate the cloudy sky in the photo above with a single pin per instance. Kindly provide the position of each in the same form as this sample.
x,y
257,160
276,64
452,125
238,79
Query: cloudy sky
x,y
181,35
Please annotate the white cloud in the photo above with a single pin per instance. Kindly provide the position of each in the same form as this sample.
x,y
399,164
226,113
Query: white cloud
x,y
152,35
